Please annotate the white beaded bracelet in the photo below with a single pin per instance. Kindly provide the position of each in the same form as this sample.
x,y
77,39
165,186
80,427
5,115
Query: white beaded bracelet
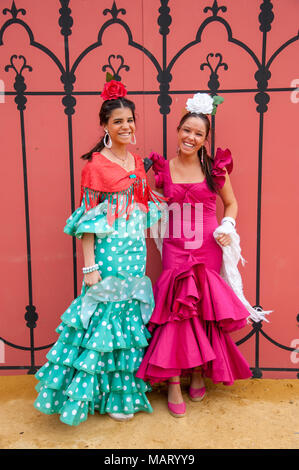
x,y
90,269
229,219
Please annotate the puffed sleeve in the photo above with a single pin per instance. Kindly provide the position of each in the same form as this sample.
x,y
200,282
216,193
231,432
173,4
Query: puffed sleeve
x,y
223,159
93,221
159,168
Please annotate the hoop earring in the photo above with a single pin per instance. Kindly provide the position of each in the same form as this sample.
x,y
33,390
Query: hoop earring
x,y
108,144
201,158
133,141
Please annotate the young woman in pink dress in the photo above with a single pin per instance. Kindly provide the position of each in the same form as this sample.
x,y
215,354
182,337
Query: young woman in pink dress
x,y
195,309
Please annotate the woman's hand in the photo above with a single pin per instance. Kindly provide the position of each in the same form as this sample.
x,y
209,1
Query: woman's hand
x,y
224,239
92,278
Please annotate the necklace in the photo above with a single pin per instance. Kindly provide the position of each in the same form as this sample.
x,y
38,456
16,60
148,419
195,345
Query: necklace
x,y
124,161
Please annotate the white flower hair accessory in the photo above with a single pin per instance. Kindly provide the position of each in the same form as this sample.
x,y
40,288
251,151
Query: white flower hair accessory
x,y
203,103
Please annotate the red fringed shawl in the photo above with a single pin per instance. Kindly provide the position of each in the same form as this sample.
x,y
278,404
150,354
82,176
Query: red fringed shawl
x,y
105,179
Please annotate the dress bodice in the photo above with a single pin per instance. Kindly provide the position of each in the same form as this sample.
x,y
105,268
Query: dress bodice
x,y
188,193
191,213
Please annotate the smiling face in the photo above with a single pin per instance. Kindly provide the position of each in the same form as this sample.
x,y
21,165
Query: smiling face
x,y
121,126
191,135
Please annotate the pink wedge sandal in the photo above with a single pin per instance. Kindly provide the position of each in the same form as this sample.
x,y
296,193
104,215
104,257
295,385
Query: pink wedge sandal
x,y
178,410
197,394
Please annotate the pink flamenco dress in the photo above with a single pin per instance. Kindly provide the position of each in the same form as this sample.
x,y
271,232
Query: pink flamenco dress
x,y
195,309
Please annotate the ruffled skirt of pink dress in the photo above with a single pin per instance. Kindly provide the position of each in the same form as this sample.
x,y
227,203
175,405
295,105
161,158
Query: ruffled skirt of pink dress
x,y
196,331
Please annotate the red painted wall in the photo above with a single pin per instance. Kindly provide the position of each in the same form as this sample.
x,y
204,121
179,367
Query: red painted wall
x,y
51,138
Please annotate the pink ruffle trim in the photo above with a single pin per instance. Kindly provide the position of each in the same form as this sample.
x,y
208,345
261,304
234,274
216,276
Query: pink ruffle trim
x,y
223,159
158,167
195,309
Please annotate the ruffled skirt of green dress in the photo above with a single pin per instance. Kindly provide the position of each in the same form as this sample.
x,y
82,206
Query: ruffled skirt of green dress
x,y
102,336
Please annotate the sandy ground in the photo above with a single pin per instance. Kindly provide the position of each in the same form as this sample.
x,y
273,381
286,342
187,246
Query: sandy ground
x,y
251,414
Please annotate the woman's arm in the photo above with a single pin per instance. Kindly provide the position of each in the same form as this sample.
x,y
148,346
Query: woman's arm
x,y
230,207
228,198
89,259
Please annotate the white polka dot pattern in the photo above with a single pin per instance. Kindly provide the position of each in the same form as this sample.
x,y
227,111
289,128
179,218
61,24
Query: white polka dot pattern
x,y
102,337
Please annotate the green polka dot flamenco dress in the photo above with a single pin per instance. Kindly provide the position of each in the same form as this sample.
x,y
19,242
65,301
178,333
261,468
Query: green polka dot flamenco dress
x,y
103,333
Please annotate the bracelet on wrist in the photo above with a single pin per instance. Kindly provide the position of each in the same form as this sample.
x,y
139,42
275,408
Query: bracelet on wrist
x,y
90,269
229,219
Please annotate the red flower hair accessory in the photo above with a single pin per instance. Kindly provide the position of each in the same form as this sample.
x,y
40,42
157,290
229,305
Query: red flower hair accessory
x,y
113,90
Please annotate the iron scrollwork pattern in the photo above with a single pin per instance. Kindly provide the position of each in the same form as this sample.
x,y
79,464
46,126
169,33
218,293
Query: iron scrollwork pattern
x,y
116,16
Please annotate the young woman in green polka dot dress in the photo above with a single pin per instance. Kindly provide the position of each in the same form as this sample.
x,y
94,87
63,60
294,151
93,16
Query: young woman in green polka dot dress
x,y
102,337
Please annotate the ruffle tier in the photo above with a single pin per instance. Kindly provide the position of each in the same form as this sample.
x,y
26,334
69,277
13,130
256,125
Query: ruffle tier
x,y
195,311
95,221
101,343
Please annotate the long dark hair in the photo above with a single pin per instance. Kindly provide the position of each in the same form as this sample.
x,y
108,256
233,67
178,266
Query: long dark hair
x,y
105,112
206,166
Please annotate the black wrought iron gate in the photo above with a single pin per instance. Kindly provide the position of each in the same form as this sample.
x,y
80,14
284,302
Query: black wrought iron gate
x,y
214,12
